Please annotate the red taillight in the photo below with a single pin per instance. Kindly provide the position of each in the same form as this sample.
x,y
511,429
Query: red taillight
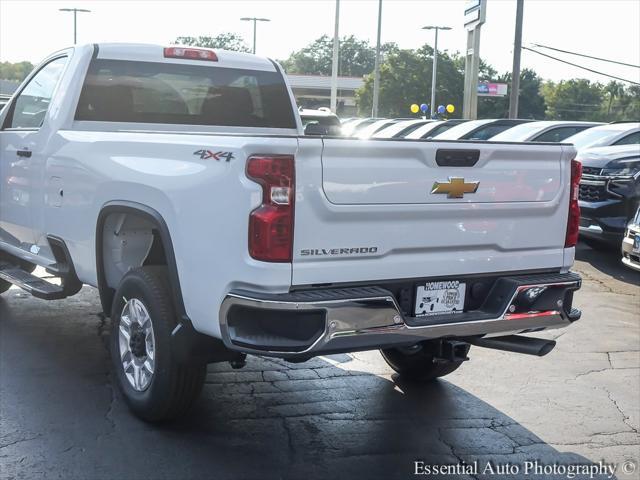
x,y
190,53
573,220
271,224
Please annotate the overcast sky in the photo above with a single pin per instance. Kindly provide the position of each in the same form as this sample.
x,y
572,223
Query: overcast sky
x,y
29,30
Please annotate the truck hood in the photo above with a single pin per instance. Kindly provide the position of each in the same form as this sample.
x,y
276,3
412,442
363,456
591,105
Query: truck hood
x,y
601,157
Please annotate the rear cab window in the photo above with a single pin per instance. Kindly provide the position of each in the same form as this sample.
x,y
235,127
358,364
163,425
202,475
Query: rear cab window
x,y
169,93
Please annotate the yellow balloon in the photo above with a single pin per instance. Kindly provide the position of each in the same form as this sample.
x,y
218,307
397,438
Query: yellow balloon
x,y
450,108
415,108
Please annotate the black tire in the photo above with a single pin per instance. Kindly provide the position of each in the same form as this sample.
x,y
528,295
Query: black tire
x,y
173,387
416,363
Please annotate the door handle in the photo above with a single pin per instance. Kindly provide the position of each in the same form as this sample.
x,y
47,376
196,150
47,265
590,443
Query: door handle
x,y
23,153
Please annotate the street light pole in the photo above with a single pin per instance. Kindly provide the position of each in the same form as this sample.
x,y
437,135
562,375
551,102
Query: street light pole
x,y
255,20
376,68
75,20
434,73
335,61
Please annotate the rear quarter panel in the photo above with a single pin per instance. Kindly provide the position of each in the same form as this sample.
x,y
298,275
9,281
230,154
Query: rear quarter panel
x,y
205,204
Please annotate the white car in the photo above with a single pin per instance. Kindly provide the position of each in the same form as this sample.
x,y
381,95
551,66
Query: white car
x,y
620,133
375,127
352,127
479,129
544,131
178,181
432,129
401,129
328,122
630,248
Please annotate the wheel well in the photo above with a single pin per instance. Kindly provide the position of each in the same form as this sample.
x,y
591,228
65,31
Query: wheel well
x,y
129,241
127,238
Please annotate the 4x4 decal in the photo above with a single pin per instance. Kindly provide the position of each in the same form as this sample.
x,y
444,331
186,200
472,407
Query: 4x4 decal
x,y
206,154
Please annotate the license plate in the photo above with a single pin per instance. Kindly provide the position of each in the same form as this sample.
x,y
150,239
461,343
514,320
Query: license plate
x,y
636,244
440,297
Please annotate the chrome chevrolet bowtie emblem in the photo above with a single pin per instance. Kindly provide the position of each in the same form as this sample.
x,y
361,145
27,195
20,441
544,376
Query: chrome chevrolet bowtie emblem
x,y
455,187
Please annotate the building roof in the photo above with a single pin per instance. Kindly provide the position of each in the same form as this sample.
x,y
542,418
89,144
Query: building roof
x,y
322,82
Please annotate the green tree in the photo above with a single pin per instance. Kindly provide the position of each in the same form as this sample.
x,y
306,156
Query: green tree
x,y
613,91
15,71
405,78
627,104
531,103
223,41
357,57
576,99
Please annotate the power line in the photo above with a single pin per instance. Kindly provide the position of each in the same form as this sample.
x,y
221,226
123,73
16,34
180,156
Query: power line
x,y
587,56
580,66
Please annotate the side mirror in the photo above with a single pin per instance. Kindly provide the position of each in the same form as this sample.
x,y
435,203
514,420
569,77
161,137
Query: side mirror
x,y
316,129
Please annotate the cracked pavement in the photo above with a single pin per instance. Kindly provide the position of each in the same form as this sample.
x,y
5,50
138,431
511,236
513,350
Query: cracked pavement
x,y
342,416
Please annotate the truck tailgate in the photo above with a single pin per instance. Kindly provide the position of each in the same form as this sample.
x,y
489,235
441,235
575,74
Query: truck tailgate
x,y
390,209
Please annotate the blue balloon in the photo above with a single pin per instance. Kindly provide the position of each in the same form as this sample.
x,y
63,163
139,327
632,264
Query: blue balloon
x,y
441,109
424,107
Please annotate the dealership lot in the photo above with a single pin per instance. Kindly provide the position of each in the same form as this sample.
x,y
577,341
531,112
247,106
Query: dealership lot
x,y
333,417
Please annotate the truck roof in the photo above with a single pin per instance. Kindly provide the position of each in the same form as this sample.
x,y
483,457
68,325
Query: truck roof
x,y
142,52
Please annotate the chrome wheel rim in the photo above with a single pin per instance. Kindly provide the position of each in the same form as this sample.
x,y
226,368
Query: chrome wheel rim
x,y
137,344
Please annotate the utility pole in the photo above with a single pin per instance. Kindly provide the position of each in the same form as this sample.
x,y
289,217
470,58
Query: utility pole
x,y
75,20
376,69
515,72
434,74
255,20
336,61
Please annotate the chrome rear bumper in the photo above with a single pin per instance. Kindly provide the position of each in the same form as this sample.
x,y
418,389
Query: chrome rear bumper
x,y
316,322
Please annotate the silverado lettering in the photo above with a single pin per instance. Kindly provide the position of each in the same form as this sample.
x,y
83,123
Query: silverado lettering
x,y
338,251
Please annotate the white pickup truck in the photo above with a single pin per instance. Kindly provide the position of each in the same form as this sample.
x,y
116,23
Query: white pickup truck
x,y
180,183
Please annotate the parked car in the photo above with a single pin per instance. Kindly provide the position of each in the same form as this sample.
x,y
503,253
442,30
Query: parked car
x,y
178,182
401,128
609,193
479,129
619,133
631,243
548,131
434,128
323,117
375,127
352,128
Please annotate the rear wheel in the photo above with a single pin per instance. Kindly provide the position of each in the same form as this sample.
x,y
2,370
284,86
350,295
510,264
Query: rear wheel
x,y
419,362
155,386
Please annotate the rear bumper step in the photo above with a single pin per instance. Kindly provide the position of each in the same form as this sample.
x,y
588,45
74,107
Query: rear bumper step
x,y
317,322
514,343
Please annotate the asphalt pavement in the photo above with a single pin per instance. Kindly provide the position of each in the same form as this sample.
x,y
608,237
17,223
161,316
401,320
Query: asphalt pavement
x,y
335,417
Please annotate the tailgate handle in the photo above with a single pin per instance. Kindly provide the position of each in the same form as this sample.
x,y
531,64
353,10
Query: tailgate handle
x,y
457,157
